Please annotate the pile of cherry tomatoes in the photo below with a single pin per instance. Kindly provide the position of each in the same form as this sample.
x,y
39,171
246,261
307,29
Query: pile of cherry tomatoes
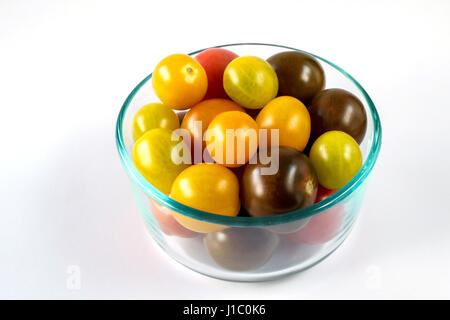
x,y
316,142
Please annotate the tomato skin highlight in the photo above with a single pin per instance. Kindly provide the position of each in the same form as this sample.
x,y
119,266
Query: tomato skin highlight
x,y
208,187
179,81
214,61
250,81
323,226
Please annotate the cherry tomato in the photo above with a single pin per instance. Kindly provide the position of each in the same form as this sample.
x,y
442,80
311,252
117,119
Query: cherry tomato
x,y
241,248
214,61
323,226
250,81
167,222
290,227
292,119
232,138
154,115
336,157
338,109
293,186
152,156
207,187
205,112
323,193
300,75
179,81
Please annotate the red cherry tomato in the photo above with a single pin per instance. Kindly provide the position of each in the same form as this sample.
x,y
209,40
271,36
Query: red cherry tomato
x,y
214,61
323,193
323,226
167,222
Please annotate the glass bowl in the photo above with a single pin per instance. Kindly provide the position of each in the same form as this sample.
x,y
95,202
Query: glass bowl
x,y
249,248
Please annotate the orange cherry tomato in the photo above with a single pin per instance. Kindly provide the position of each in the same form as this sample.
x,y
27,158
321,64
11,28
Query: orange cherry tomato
x,y
292,119
205,112
179,81
232,138
208,187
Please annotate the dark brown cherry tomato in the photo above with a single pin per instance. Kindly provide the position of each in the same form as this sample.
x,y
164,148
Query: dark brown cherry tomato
x,y
241,248
337,109
299,75
293,186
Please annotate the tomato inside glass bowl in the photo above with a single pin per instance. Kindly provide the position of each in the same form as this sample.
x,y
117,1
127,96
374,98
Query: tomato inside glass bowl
x,y
251,248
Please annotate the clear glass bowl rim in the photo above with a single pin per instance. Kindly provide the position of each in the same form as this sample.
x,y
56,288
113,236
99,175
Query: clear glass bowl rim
x,y
287,217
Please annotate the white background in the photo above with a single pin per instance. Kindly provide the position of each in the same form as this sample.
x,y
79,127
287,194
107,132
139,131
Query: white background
x,y
67,66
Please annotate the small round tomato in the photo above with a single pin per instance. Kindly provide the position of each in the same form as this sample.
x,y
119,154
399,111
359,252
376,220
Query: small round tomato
x,y
323,193
293,186
179,81
336,157
290,117
167,222
241,249
232,138
300,74
153,157
207,187
205,112
338,109
152,116
214,61
321,227
250,81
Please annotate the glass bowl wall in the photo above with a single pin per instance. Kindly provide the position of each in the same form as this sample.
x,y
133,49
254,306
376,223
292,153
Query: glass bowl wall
x,y
252,249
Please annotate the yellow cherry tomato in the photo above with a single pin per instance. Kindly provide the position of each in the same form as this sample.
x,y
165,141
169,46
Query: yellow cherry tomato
x,y
232,138
207,187
250,81
179,81
152,116
336,157
292,119
205,112
158,158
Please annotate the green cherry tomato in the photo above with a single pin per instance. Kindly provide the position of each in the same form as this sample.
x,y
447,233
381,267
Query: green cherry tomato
x,y
152,116
250,81
336,157
153,157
